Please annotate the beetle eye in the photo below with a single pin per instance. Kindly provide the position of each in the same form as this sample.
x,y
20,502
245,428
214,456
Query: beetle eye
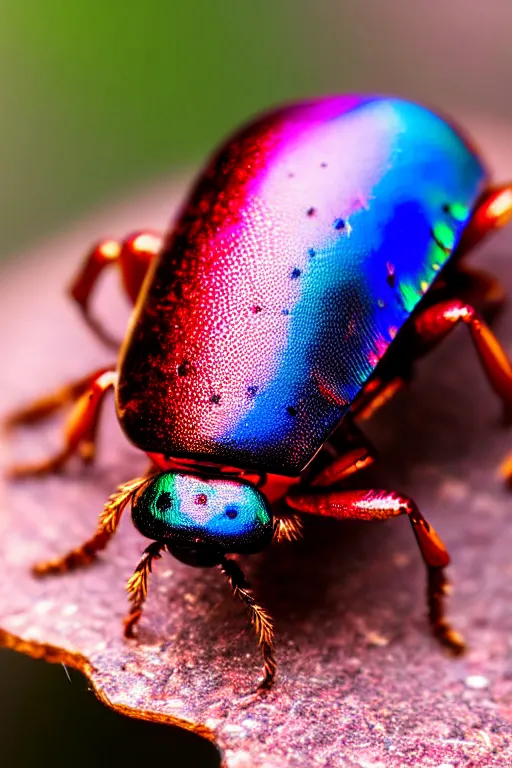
x,y
231,512
164,501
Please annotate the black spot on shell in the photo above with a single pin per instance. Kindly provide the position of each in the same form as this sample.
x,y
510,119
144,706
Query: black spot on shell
x,y
256,309
231,512
252,390
391,278
312,252
310,212
446,208
291,411
184,368
164,501
296,273
215,399
339,224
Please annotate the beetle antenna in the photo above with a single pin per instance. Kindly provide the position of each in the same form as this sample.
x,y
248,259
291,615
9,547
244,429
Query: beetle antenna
x,y
137,586
260,619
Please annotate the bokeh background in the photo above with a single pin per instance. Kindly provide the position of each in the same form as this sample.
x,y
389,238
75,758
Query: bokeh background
x,y
100,97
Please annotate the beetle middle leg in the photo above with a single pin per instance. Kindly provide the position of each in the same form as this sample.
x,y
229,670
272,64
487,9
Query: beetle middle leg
x,y
80,427
438,320
348,451
46,405
481,290
382,505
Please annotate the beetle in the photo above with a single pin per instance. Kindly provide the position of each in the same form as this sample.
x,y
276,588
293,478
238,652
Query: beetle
x,y
319,255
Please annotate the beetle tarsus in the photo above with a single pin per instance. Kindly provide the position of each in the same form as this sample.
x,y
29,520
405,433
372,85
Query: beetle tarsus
x,y
260,619
77,558
437,588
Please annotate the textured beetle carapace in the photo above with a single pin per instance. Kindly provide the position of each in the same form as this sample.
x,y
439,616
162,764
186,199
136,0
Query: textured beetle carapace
x,y
284,268
319,255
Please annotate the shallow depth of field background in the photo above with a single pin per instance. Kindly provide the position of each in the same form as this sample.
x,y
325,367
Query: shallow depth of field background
x,y
99,97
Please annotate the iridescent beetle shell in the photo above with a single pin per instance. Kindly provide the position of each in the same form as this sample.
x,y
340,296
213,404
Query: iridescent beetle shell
x,y
301,253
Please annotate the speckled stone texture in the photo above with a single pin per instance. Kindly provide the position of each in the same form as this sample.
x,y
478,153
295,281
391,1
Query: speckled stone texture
x,y
361,682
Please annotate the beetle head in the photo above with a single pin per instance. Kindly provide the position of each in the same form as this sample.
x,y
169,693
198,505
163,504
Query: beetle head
x,y
202,518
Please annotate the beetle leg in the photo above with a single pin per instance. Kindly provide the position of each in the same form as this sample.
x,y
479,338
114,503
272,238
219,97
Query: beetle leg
x,y
260,619
107,526
374,395
436,321
493,211
349,452
132,256
137,586
79,432
49,404
344,465
382,505
480,289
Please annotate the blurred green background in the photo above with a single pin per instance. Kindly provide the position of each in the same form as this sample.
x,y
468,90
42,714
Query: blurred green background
x,y
101,96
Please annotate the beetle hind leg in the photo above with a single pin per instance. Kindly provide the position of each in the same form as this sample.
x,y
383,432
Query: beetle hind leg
x,y
383,505
260,619
132,256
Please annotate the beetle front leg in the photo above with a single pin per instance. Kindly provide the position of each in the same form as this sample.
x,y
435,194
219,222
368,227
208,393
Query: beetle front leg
x,y
383,505
107,526
132,256
80,428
